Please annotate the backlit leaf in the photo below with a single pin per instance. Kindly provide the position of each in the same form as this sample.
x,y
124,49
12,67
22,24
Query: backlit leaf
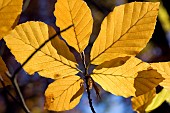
x,y
3,70
64,94
9,15
133,78
140,103
60,45
76,13
164,18
164,69
26,38
158,100
125,31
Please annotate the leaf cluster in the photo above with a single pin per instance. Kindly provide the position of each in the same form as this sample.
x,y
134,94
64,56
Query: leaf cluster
x,y
125,31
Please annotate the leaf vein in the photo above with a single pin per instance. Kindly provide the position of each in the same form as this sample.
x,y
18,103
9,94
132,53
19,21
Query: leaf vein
x,y
120,36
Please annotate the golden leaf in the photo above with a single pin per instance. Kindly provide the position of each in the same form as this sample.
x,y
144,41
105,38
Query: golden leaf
x,y
60,45
26,38
76,13
9,15
164,18
125,31
64,94
158,100
140,103
132,78
3,70
164,69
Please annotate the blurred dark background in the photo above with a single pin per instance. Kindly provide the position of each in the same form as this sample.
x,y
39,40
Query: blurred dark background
x,y
33,87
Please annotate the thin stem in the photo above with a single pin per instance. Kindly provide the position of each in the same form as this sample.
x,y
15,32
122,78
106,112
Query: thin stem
x,y
83,57
6,91
88,93
18,102
20,96
86,79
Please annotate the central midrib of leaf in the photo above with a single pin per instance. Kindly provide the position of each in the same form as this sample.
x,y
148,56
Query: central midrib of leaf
x,y
73,26
114,75
121,36
68,87
132,77
4,5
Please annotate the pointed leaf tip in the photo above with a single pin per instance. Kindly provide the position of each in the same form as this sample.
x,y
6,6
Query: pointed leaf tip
x,y
78,14
125,31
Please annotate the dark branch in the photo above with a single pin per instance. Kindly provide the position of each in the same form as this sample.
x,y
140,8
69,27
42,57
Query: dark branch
x,y
6,91
87,77
88,93
17,89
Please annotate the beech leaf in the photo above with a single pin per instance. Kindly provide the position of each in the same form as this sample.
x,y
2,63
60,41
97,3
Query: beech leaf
x,y
133,78
3,70
164,69
9,15
64,94
125,31
141,102
78,14
158,100
60,45
26,38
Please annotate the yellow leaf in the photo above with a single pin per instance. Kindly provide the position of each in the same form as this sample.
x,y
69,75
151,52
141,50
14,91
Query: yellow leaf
x,y
9,15
125,31
3,70
164,69
64,94
164,18
158,100
26,38
76,13
133,78
60,45
140,103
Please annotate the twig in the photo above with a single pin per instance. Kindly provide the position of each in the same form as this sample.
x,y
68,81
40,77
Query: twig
x,y
17,89
86,79
88,93
14,77
6,91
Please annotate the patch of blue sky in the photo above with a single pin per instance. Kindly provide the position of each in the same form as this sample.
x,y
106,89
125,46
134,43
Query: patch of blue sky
x,y
109,104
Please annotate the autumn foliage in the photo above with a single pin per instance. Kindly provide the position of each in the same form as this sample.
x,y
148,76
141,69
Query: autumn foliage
x,y
124,33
